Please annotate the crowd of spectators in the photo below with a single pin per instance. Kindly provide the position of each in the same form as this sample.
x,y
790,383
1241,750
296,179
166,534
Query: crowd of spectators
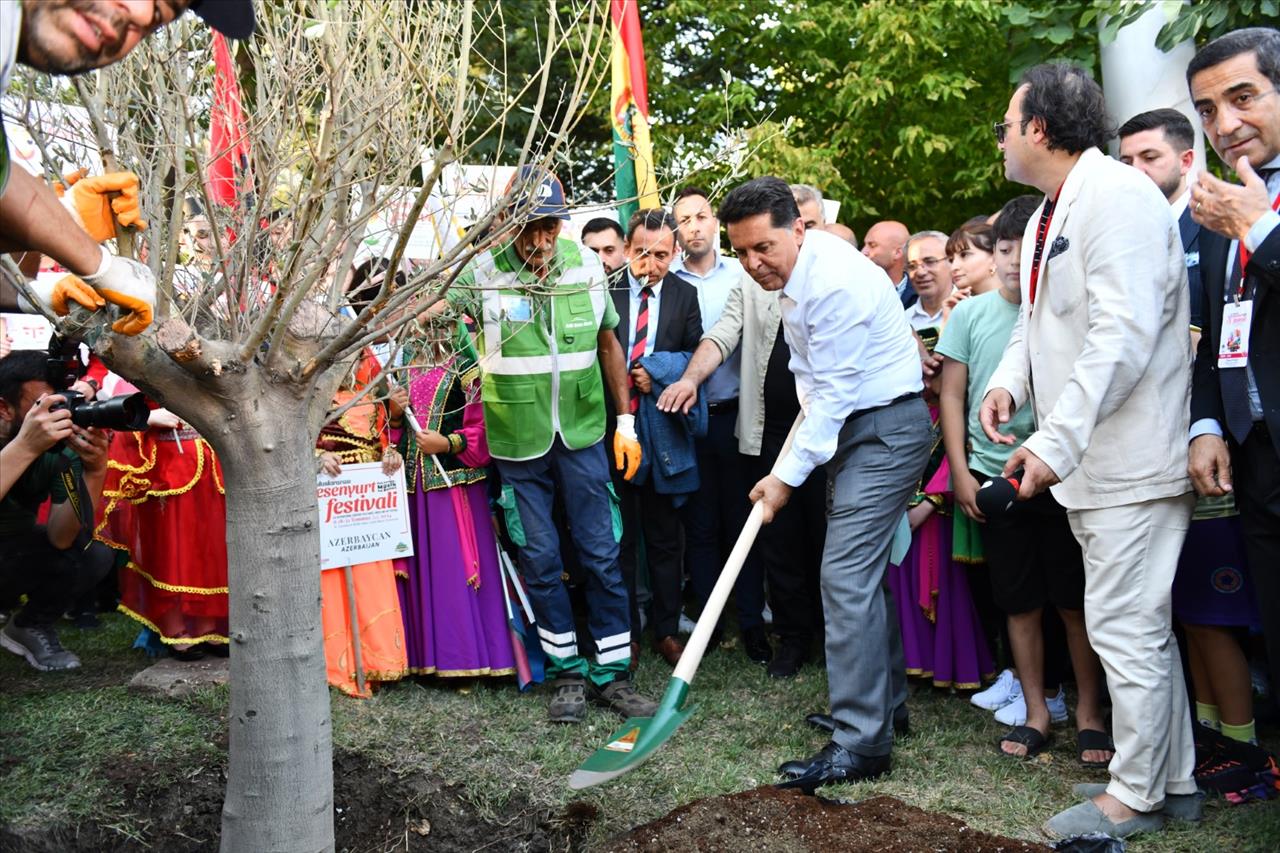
x,y
1098,351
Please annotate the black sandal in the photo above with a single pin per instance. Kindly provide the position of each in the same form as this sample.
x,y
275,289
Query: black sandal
x,y
1035,742
1088,740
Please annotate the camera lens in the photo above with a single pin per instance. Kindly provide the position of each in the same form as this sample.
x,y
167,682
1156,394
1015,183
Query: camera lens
x,y
128,412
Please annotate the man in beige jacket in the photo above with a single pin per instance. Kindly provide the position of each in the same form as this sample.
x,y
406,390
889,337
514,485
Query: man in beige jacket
x,y
790,548
1101,352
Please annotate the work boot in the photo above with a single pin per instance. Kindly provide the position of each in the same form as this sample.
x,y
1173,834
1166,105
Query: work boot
x,y
569,702
621,698
39,644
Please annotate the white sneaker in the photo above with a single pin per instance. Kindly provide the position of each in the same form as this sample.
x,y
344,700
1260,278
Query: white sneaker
x,y
1005,690
686,625
1015,713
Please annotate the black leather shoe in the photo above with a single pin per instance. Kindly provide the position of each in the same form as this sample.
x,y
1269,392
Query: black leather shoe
x,y
755,642
833,764
788,660
827,723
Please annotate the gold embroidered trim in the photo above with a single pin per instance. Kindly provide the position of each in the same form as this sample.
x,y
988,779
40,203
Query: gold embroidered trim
x,y
131,485
168,587
147,466
173,641
959,685
459,673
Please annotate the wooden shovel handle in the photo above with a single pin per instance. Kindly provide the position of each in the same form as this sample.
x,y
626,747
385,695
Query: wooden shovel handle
x,y
697,645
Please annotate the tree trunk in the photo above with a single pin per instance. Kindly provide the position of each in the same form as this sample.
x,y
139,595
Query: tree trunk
x,y
280,777
263,425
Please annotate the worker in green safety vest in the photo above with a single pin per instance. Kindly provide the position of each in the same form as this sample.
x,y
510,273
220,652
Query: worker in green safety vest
x,y
547,355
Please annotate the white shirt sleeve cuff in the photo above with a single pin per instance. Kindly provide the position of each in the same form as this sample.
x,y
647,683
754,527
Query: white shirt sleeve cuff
x,y
1261,230
1204,426
791,470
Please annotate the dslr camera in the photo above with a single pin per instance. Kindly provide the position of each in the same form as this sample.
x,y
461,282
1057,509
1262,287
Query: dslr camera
x,y
128,412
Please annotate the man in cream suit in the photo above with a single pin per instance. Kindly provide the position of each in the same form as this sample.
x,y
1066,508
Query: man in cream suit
x,y
1101,352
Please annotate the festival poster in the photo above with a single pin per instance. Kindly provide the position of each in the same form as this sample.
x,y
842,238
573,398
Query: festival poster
x,y
364,516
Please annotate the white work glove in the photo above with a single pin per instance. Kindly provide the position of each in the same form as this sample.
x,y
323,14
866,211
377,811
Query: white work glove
x,y
130,285
626,446
55,293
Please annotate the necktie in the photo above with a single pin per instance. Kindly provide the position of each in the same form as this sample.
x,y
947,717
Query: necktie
x,y
1235,382
637,348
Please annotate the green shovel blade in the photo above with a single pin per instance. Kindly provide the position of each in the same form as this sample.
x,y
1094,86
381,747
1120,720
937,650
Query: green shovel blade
x,y
639,738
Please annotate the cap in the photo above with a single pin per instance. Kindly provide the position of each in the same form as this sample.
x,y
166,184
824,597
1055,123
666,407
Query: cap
x,y
233,18
546,193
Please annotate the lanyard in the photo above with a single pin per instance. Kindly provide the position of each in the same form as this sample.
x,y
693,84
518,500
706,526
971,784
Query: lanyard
x,y
1042,234
1245,254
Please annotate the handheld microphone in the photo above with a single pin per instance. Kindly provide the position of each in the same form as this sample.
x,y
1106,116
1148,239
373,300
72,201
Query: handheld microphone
x,y
997,495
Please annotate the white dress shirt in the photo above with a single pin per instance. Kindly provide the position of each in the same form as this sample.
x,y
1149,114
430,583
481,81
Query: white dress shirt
x,y
655,305
713,292
921,319
1179,205
851,346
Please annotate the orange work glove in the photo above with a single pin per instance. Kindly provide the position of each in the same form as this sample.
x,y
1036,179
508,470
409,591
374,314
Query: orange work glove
x,y
626,447
60,186
91,205
130,285
55,293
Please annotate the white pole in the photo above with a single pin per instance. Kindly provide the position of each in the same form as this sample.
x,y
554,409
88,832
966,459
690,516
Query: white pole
x,y
1138,76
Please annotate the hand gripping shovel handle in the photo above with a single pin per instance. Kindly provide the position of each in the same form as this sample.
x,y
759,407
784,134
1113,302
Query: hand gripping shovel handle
x,y
697,645
639,737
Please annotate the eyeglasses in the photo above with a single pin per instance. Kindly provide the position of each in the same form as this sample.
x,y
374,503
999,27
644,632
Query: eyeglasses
x,y
928,263
1001,129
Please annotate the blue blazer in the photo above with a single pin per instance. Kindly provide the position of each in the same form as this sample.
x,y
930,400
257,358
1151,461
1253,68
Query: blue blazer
x,y
1190,231
667,439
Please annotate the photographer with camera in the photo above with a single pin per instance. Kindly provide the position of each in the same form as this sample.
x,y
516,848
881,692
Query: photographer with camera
x,y
45,455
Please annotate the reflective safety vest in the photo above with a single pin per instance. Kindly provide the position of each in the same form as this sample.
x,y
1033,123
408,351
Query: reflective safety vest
x,y
541,373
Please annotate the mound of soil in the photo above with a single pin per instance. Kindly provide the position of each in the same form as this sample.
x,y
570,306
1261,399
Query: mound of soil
x,y
767,820
179,809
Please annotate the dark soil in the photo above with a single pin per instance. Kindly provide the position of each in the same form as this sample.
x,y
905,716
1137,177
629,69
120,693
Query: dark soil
x,y
178,810
767,820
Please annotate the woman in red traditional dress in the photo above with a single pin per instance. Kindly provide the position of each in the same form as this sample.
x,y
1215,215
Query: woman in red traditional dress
x,y
164,511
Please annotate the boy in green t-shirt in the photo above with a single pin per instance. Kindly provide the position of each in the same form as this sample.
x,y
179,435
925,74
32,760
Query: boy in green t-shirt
x,y
1032,557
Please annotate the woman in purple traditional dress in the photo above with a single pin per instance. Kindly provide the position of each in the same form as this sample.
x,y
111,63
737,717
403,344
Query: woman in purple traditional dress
x,y
451,590
942,636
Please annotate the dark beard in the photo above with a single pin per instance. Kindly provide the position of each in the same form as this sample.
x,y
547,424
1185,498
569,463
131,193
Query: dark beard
x,y
1170,187
41,19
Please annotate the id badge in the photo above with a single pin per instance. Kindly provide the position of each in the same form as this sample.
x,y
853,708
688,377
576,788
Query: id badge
x,y
1233,346
517,309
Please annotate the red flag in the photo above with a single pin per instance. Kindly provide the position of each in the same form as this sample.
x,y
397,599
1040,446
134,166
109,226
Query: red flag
x,y
228,174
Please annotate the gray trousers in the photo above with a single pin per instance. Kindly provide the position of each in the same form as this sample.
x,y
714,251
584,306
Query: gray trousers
x,y
876,468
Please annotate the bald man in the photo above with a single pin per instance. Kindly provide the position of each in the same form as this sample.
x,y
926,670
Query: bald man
x,y
886,245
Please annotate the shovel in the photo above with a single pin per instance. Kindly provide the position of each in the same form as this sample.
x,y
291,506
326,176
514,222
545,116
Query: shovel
x,y
640,737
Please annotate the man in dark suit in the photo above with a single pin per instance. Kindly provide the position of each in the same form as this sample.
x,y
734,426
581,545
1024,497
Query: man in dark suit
x,y
1235,398
657,312
1161,145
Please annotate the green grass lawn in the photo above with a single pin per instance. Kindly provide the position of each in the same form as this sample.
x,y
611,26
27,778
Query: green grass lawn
x,y
61,734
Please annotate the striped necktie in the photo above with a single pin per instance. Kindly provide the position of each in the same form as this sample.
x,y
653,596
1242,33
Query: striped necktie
x,y
637,348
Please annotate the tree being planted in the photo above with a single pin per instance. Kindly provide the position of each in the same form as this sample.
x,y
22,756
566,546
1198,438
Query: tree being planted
x,y
354,113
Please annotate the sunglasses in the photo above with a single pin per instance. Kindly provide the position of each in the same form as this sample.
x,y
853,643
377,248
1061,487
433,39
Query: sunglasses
x,y
1001,129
